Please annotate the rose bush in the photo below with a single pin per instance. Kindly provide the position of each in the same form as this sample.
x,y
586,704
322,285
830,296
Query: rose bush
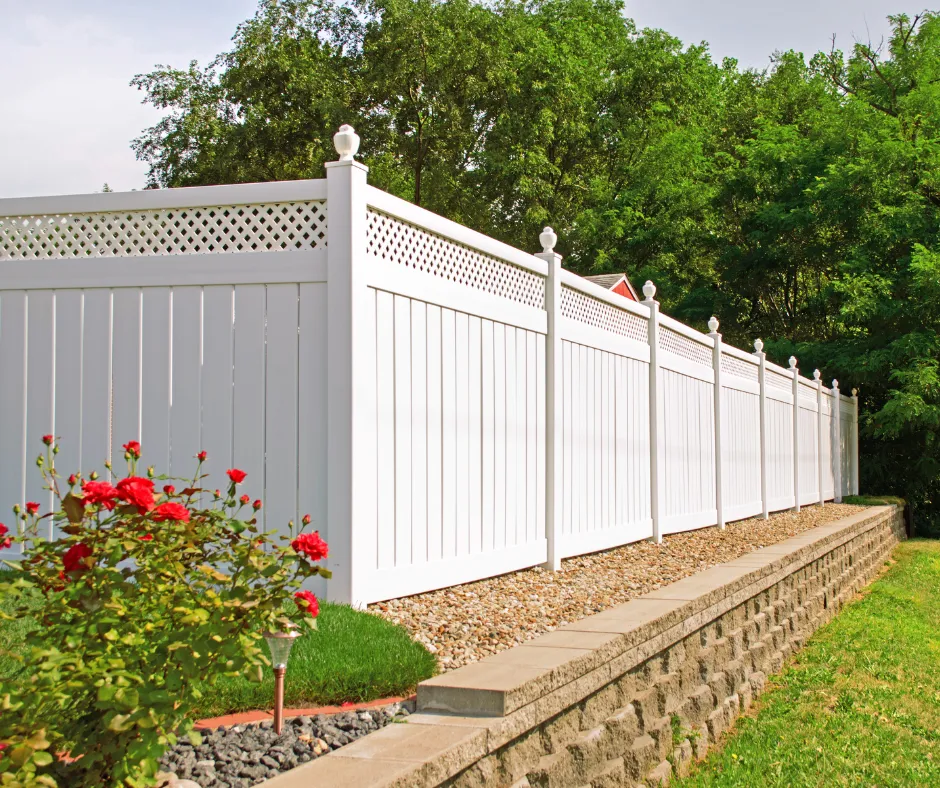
x,y
145,597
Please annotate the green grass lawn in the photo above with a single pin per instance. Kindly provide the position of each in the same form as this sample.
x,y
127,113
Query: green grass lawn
x,y
351,657
860,706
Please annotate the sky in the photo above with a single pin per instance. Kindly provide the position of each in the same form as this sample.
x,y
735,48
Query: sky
x,y
68,114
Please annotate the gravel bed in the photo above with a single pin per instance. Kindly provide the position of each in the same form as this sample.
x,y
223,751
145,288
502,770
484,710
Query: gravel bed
x,y
242,755
469,622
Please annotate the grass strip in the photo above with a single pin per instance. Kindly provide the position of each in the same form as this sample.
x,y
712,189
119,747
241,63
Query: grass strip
x,y
860,705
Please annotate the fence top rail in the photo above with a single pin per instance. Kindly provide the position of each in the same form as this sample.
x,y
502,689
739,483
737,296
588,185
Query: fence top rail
x,y
731,350
165,199
788,373
686,331
594,290
426,220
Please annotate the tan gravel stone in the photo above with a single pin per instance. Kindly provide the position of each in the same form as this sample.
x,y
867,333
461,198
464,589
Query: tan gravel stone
x,y
465,623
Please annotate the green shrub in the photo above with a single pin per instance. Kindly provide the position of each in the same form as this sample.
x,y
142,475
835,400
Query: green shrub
x,y
147,596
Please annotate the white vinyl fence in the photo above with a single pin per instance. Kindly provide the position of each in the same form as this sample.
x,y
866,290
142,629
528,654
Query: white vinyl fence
x,y
446,407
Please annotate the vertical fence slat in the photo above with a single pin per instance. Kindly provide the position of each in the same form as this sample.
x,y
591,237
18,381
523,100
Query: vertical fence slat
x,y
280,399
311,455
186,407
385,427
217,370
248,405
96,381
68,382
127,367
419,433
13,349
156,377
40,402
434,371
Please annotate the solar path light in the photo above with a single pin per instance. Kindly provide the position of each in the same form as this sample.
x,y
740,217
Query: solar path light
x,y
279,644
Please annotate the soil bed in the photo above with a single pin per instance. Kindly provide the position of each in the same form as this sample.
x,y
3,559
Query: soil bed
x,y
465,623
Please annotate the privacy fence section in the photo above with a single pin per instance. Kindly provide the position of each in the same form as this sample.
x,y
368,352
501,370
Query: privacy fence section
x,y
446,407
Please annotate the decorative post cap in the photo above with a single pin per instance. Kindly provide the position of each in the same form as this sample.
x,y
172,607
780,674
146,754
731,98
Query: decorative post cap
x,y
346,142
854,392
792,362
649,290
548,239
816,374
758,345
713,324
835,383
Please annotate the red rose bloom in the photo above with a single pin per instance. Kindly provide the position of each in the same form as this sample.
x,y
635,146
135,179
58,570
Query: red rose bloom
x,y
74,558
5,541
256,505
146,538
245,500
171,511
236,475
136,491
99,493
32,507
311,545
73,480
306,520
169,489
307,601
132,448
201,456
47,439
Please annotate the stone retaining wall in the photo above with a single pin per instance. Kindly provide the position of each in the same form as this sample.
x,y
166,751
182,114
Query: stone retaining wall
x,y
627,696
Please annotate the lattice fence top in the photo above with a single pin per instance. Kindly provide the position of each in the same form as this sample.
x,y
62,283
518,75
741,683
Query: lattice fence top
x,y
402,243
777,380
682,346
733,365
271,227
582,308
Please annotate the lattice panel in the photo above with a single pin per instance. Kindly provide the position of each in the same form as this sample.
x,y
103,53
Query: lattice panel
x,y
404,244
580,307
271,227
777,380
682,346
735,366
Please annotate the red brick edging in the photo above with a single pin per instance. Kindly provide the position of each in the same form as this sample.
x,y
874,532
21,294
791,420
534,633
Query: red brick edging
x,y
245,717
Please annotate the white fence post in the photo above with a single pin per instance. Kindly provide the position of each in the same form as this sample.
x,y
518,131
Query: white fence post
x,y
835,454
819,435
761,378
796,433
657,455
854,448
554,429
350,395
716,364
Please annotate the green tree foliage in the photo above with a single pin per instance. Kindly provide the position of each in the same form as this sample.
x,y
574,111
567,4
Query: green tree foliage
x,y
800,203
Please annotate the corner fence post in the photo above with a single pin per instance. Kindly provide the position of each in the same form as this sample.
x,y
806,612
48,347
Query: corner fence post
x,y
835,455
716,365
351,497
796,433
554,429
761,375
819,436
657,431
854,448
